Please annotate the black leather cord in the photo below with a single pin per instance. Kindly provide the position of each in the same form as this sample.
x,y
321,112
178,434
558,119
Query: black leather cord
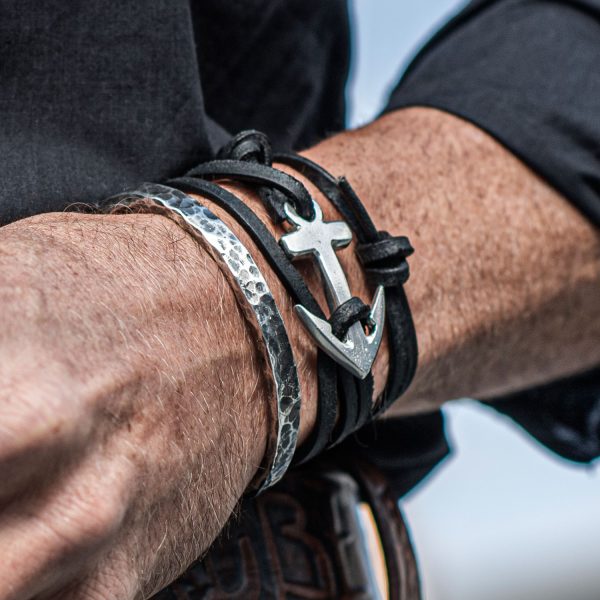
x,y
265,176
251,145
347,314
248,158
384,259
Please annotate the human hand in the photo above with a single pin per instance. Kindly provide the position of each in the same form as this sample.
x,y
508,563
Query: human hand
x,y
131,406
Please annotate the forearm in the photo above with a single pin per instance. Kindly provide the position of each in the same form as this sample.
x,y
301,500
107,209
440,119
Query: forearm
x,y
504,278
506,273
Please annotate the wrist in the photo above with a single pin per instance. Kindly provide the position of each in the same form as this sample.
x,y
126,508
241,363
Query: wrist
x,y
304,345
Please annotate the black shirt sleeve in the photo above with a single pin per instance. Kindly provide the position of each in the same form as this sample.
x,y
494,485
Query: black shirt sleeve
x,y
527,72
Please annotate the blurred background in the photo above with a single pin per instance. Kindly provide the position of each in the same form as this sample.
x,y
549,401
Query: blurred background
x,y
502,518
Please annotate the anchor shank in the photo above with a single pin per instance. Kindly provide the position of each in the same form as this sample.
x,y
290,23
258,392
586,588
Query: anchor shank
x,y
334,277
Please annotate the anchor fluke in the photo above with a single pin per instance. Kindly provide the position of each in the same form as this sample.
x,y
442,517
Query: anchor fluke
x,y
358,350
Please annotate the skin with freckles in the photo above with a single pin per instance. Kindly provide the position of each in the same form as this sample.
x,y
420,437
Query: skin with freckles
x,y
134,398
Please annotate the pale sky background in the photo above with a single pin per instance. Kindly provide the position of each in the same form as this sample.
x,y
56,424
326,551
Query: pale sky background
x,y
502,519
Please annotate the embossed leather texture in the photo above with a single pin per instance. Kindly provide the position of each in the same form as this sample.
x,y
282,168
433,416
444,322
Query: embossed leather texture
x,y
305,539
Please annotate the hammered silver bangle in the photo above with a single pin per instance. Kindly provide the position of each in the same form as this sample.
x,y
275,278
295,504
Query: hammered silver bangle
x,y
255,290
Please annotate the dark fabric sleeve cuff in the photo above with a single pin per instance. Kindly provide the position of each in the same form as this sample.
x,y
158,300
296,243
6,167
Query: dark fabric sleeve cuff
x,y
527,73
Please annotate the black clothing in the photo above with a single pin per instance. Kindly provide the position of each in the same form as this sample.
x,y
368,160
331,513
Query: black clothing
x,y
528,72
96,97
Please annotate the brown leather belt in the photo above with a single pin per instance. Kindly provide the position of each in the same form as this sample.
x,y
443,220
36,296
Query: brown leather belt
x,y
324,532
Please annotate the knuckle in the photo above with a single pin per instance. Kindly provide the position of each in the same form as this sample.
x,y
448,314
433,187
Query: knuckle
x,y
90,513
94,518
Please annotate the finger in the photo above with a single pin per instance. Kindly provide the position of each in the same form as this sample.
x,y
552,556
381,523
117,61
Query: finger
x,y
50,540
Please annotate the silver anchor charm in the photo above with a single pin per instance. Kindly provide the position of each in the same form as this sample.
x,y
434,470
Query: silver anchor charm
x,y
321,239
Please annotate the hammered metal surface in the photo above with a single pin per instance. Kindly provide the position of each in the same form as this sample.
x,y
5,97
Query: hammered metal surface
x,y
256,291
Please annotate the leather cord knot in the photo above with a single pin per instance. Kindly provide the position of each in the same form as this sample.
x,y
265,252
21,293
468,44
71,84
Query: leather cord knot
x,y
248,157
385,259
250,145
346,314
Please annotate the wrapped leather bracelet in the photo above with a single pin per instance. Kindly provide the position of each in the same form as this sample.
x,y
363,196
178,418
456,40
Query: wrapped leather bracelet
x,y
253,293
248,158
354,394
383,256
